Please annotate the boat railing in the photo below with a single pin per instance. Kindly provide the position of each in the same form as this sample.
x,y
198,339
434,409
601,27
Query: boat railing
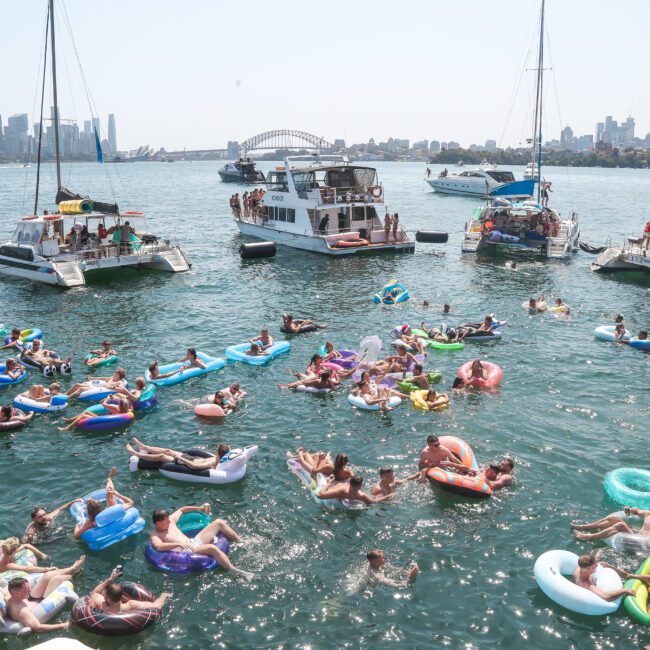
x,y
110,250
353,194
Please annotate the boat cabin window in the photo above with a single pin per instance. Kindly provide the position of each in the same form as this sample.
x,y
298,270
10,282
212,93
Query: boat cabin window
x,y
359,213
28,232
281,214
357,179
277,182
501,177
304,181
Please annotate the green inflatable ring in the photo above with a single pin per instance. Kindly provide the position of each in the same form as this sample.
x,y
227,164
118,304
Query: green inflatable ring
x,y
637,606
406,386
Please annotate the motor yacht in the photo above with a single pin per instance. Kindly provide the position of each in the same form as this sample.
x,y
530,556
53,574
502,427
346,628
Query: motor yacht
x,y
241,171
481,182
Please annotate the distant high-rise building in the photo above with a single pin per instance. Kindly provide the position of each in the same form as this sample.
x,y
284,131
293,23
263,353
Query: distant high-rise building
x,y
567,139
112,138
2,144
617,136
434,145
600,129
233,149
16,134
453,145
96,126
339,143
421,145
628,131
490,145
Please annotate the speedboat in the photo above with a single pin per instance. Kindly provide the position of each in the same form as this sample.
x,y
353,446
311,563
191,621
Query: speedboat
x,y
481,182
241,171
630,257
524,225
334,208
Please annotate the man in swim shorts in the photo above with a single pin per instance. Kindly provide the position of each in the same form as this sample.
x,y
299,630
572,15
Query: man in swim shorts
x,y
264,340
612,524
107,596
387,482
377,567
584,577
435,454
350,490
166,536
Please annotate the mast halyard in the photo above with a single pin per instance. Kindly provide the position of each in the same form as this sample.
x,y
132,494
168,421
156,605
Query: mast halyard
x,y
55,117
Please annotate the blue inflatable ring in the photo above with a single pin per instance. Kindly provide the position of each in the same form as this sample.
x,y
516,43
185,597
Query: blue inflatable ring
x,y
629,486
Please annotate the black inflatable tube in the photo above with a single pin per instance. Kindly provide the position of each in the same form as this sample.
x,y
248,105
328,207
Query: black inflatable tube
x,y
431,237
258,249
179,468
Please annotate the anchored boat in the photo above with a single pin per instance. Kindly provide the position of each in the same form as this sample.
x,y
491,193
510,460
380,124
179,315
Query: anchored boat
x,y
630,257
335,208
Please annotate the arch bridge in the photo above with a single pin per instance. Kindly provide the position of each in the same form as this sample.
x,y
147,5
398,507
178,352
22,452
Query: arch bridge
x,y
284,139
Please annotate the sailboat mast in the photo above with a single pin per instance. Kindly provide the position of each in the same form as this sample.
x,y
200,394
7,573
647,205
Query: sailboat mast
x,y
55,117
537,128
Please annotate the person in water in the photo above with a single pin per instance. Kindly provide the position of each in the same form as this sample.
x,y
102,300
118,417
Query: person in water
x,y
399,362
42,521
298,325
43,357
256,350
435,454
561,307
350,490
264,340
537,304
458,385
101,354
13,370
435,400
166,536
113,407
377,571
192,360
164,455
613,524
94,506
132,396
13,342
10,414
584,577
619,333
388,482
108,595
116,380
321,463
380,398
234,393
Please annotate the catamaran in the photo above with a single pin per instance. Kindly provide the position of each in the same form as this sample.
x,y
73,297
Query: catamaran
x,y
526,224
84,236
335,208
630,257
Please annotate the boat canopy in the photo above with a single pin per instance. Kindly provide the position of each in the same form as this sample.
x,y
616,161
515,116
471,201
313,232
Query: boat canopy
x,y
105,208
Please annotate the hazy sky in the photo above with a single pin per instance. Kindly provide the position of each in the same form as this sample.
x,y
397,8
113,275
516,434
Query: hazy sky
x,y
195,73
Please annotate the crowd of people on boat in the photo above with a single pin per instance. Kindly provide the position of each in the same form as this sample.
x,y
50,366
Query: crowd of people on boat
x,y
249,205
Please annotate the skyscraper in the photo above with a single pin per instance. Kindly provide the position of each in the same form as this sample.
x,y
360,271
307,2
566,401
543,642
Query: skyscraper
x,y
112,139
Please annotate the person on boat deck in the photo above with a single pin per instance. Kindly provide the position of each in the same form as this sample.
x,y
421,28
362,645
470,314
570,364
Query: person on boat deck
x,y
94,507
323,224
387,224
125,237
13,341
264,340
584,577
612,524
101,232
12,369
10,414
166,536
192,358
43,357
154,454
114,408
101,354
116,380
395,226
646,238
350,490
435,454
377,575
107,596
42,521
38,393
399,362
443,173
546,190
244,200
255,350
488,226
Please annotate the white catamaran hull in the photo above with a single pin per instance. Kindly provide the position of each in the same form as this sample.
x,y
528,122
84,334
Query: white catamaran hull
x,y
316,244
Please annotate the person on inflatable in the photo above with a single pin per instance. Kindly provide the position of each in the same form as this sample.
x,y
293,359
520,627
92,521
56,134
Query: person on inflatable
x,y
612,524
377,571
165,455
419,379
42,521
296,326
113,408
561,307
192,358
399,362
478,371
234,393
132,396
327,380
435,400
38,393
101,354
583,576
626,575
12,369
108,594
264,340
381,397
94,507
43,357
156,374
408,337
13,342
434,454
10,414
388,482
350,490
10,547
166,536
115,381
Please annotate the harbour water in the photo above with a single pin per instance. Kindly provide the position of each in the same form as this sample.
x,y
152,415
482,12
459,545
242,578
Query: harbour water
x,y
569,409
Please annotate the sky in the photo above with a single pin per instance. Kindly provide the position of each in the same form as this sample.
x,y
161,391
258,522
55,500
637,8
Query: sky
x,y
194,74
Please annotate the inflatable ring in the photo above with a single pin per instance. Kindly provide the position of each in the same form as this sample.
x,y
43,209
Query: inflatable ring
x,y
418,398
637,605
147,399
13,424
407,385
112,525
97,390
360,403
348,358
191,523
475,487
96,621
640,344
550,571
377,191
629,542
106,361
103,422
608,333
493,375
26,403
6,380
24,558
28,335
629,486
209,411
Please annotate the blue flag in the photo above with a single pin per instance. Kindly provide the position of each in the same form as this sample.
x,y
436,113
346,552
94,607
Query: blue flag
x,y
98,146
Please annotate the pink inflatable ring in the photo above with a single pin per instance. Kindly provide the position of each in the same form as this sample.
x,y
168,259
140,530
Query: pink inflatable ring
x,y
493,374
209,411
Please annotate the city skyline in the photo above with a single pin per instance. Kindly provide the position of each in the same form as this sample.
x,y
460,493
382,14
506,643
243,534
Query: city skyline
x,y
423,72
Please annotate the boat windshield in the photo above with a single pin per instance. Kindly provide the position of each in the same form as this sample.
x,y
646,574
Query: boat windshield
x,y
356,179
501,177
277,182
28,232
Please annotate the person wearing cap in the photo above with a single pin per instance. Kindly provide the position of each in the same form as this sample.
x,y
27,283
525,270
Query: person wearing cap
x,y
101,354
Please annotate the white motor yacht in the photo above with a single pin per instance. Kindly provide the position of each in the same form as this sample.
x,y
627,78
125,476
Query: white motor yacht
x,y
481,182
630,257
334,208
